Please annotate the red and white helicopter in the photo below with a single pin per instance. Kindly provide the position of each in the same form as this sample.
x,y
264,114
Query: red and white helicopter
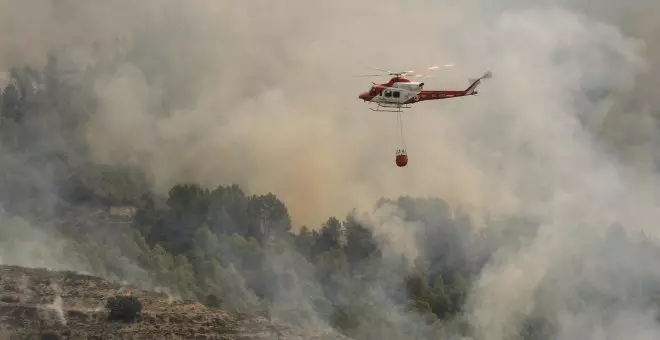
x,y
400,92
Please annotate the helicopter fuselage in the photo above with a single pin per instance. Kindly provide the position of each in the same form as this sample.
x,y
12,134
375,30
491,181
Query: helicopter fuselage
x,y
400,92
396,91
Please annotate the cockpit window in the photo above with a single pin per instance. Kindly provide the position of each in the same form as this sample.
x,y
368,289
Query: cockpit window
x,y
372,91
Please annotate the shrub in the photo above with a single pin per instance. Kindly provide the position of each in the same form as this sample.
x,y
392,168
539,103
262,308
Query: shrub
x,y
124,308
49,335
213,301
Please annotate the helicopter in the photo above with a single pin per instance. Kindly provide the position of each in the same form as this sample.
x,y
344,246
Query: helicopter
x,y
400,92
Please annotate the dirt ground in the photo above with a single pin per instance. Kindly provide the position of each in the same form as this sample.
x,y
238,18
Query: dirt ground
x,y
42,304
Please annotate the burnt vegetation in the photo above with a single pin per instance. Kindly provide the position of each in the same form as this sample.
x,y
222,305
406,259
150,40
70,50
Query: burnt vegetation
x,y
234,250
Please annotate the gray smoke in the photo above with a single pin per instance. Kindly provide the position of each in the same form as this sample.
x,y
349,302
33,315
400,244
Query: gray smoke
x,y
260,94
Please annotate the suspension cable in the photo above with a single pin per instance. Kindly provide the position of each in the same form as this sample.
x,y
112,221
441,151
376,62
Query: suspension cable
x,y
399,116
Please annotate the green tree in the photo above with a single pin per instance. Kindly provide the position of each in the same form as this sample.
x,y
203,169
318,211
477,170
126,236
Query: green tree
x,y
267,216
304,242
228,210
417,286
360,242
188,206
11,103
329,238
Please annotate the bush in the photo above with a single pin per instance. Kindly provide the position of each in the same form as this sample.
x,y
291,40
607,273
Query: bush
x,y
213,301
124,308
49,335
344,319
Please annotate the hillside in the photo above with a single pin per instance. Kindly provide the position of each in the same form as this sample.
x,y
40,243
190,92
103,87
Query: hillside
x,y
66,305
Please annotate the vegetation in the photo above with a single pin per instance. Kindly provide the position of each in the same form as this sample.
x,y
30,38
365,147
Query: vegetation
x,y
227,248
49,336
123,308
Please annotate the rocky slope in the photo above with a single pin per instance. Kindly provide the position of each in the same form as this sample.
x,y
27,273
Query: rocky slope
x,y
43,304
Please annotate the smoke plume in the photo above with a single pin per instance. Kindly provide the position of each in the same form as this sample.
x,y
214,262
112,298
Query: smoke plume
x,y
260,93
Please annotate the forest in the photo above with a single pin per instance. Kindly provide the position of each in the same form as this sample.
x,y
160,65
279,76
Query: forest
x,y
239,251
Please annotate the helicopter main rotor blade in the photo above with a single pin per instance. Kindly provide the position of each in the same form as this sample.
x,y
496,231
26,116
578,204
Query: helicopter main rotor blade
x,y
377,69
412,73
367,75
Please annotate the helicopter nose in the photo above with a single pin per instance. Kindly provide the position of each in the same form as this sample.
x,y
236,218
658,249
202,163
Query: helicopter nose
x,y
363,96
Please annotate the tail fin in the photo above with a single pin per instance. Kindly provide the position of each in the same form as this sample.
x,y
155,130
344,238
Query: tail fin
x,y
475,82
